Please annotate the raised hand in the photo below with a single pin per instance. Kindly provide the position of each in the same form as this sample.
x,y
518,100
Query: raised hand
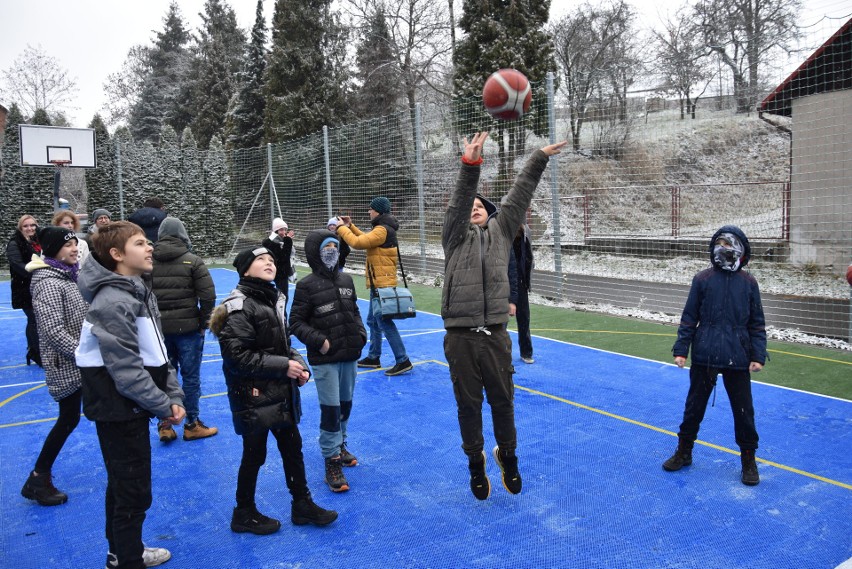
x,y
552,149
473,148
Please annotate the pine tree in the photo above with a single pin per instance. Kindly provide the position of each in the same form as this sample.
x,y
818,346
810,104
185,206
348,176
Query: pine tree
x,y
377,71
245,120
306,77
216,67
163,96
171,182
501,35
218,228
191,207
101,183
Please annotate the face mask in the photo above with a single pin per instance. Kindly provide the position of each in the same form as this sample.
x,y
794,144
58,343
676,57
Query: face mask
x,y
329,256
728,252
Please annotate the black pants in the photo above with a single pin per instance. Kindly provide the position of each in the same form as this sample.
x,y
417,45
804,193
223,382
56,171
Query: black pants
x,y
738,385
126,448
33,350
480,361
254,456
522,315
69,418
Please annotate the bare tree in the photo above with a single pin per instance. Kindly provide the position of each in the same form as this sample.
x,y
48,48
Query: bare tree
x,y
36,80
590,48
745,33
682,61
420,38
122,88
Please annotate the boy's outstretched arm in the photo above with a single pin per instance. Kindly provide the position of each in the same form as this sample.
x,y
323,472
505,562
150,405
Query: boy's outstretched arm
x,y
457,218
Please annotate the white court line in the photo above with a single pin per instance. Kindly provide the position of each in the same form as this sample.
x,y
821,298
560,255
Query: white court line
x,y
22,384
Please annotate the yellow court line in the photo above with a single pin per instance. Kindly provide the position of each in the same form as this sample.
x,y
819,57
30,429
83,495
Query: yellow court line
x,y
24,392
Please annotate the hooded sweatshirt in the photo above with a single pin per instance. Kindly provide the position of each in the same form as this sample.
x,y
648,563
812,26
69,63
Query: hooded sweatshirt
x,y
723,320
122,358
325,307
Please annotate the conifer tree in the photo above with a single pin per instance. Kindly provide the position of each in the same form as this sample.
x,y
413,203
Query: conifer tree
x,y
377,71
191,209
171,181
18,183
306,77
217,232
216,67
163,89
245,120
101,183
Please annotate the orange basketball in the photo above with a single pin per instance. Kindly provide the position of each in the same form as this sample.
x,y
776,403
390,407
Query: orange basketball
x,y
849,275
507,94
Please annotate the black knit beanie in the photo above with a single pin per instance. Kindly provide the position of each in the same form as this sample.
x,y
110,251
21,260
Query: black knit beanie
x,y
246,257
53,239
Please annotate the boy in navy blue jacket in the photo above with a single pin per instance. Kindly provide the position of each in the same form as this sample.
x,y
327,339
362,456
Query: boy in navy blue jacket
x,y
723,323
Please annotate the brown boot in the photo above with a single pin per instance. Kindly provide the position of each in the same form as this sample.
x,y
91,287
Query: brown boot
x,y
198,430
166,432
682,455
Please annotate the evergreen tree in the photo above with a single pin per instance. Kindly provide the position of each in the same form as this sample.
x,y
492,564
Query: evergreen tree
x,y
171,183
217,233
163,89
41,117
216,67
101,183
503,35
25,189
245,121
306,76
191,210
377,71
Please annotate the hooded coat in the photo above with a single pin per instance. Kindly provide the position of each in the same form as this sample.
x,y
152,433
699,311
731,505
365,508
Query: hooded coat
x,y
723,320
476,259
182,284
122,357
59,310
20,251
251,325
149,219
325,307
381,246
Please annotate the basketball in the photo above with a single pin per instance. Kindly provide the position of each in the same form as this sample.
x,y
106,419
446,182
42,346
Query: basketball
x,y
507,95
849,275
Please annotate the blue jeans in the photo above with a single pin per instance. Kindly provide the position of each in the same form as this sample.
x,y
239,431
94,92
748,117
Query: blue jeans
x,y
335,386
185,352
377,326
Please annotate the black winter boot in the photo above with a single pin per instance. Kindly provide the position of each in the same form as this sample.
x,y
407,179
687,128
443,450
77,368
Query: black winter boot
x,y
682,455
303,511
334,475
479,483
41,489
750,477
249,520
508,463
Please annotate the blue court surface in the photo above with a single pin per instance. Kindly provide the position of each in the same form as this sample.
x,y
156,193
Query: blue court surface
x,y
593,429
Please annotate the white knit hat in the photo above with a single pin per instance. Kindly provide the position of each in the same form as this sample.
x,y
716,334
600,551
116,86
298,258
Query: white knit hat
x,y
278,223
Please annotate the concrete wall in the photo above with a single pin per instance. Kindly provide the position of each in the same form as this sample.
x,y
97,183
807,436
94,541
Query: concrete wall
x,y
821,202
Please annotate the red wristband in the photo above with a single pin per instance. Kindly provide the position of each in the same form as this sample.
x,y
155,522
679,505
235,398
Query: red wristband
x,y
471,163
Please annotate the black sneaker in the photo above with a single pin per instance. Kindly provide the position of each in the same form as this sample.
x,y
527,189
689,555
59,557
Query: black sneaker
x,y
303,511
369,362
249,520
41,489
508,464
400,368
750,476
334,475
346,457
479,483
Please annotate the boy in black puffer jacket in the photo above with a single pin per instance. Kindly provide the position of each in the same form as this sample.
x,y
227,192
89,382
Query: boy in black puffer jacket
x,y
263,373
325,317
723,323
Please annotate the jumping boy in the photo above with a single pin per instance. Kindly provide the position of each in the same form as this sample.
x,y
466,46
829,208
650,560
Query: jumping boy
x,y
723,323
475,309
126,380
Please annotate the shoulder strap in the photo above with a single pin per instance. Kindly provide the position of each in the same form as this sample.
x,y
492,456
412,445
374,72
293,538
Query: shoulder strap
x,y
401,269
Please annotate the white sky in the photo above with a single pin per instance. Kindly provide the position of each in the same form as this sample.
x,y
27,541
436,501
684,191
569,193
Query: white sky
x,y
90,38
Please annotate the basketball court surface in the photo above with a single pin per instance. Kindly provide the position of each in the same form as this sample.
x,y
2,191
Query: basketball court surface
x,y
593,430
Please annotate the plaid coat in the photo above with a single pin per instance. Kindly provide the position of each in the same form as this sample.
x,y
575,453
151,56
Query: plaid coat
x,y
59,311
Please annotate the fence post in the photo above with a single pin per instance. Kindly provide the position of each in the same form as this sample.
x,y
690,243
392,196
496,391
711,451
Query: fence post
x,y
675,211
327,159
272,197
554,187
118,180
421,200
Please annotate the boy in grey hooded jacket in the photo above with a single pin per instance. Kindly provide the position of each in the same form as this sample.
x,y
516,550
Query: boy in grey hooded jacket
x,y
475,309
127,380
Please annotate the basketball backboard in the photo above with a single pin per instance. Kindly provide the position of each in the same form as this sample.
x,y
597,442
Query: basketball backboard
x,y
49,145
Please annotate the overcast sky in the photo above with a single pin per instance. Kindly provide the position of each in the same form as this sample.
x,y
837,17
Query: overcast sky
x,y
90,38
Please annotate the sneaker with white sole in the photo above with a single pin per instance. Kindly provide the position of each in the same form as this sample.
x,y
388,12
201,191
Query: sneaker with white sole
x,y
528,360
399,368
151,557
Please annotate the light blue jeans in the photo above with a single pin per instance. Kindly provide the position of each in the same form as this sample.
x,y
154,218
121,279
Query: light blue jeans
x,y
377,326
335,386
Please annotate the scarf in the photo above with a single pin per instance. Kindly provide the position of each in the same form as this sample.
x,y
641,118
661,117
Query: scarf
x,y
72,270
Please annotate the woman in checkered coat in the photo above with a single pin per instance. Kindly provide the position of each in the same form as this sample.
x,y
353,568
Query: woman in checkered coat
x,y
59,311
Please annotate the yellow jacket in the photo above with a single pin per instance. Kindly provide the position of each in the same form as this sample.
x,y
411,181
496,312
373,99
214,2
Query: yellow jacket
x,y
380,244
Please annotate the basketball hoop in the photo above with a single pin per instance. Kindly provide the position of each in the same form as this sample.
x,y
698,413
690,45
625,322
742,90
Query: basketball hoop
x,y
60,163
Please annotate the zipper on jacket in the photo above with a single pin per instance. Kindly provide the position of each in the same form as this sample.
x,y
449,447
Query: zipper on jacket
x,y
482,270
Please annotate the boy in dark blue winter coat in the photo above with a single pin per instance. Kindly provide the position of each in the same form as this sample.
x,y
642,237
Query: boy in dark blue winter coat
x,y
325,317
723,323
